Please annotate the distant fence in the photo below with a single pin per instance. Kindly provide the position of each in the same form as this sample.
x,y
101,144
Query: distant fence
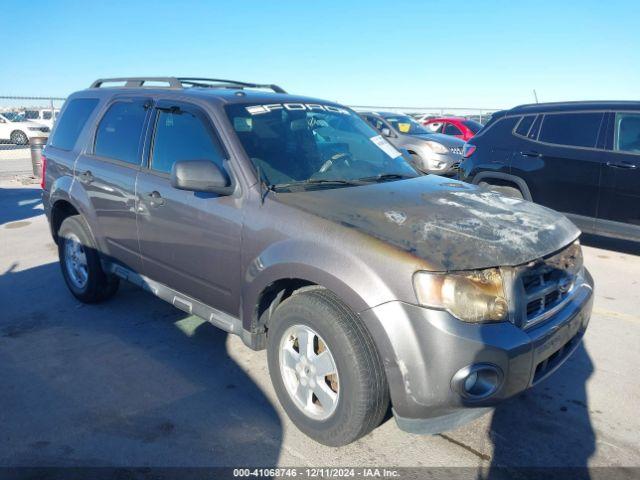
x,y
15,110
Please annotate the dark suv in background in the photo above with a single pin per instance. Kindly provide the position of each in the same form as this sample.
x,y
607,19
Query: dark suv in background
x,y
580,158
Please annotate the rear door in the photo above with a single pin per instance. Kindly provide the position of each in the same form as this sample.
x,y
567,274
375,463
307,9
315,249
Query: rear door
x,y
189,241
619,209
107,173
561,163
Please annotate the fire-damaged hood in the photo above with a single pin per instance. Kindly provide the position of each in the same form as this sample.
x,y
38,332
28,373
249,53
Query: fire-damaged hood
x,y
449,224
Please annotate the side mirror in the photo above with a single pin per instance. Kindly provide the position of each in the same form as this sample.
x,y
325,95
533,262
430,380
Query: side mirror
x,y
200,176
386,132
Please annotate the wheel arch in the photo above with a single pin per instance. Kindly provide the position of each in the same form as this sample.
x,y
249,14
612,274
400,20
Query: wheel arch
x,y
504,177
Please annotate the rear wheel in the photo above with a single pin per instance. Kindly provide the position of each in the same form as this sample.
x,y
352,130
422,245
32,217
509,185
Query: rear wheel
x,y
325,368
80,263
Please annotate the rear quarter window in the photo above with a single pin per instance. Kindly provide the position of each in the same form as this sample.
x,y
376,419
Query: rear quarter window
x,y
524,125
71,123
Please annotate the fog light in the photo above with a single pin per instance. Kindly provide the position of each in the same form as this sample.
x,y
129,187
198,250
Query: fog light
x,y
470,381
478,381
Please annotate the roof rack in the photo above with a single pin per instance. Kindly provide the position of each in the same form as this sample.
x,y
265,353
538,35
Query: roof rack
x,y
220,83
182,82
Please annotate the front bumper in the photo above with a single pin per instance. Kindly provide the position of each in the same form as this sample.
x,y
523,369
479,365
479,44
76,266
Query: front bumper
x,y
449,163
423,349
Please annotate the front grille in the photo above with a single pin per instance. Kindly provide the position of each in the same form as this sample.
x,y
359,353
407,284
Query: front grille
x,y
548,283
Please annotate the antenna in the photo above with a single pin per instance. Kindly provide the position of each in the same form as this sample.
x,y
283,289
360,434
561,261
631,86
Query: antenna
x,y
535,95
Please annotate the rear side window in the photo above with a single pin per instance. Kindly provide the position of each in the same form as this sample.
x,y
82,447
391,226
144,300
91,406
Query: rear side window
x,y
451,129
524,125
572,129
71,123
118,135
627,133
183,135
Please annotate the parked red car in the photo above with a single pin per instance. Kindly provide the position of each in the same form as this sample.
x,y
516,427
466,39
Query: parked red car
x,y
456,126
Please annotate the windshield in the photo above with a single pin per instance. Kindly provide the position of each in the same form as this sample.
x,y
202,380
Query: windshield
x,y
13,116
299,144
406,125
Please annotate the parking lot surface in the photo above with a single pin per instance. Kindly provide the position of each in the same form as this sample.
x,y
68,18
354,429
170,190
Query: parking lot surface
x,y
135,382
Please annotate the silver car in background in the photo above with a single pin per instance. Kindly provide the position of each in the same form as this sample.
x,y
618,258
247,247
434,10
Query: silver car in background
x,y
431,152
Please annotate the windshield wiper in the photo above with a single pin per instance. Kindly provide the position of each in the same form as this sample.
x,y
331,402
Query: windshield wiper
x,y
318,181
385,176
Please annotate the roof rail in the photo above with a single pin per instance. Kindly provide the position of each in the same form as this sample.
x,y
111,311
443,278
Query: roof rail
x,y
183,82
138,82
221,83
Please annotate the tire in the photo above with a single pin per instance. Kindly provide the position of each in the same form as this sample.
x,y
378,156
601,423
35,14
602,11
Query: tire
x,y
513,192
18,137
97,285
362,397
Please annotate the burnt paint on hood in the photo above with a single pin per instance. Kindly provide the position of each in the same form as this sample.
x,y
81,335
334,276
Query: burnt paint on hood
x,y
449,224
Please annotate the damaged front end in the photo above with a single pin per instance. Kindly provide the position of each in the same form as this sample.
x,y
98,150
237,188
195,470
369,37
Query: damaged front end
x,y
448,364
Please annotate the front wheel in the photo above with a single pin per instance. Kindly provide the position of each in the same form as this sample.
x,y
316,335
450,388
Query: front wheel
x,y
325,368
19,138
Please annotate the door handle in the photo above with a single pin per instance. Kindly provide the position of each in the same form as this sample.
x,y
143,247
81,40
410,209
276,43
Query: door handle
x,y
86,177
627,165
155,199
531,154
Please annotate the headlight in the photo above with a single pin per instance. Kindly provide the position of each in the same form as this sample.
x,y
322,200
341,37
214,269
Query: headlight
x,y
474,296
437,147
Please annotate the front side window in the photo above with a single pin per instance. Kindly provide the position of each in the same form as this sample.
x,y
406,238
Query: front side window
x,y
71,123
314,144
571,129
627,132
118,135
182,135
31,114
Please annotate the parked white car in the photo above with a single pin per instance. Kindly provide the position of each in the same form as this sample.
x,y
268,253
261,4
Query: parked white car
x,y
14,128
43,116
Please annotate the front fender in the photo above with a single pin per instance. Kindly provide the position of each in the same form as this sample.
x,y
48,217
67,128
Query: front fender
x,y
338,270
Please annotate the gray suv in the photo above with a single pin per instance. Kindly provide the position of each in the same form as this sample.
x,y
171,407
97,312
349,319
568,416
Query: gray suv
x,y
429,152
292,223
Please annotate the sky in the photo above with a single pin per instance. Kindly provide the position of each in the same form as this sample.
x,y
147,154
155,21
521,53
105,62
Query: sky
x,y
452,53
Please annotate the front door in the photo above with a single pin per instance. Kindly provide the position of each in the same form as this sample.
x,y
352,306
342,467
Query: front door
x,y
619,209
189,241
